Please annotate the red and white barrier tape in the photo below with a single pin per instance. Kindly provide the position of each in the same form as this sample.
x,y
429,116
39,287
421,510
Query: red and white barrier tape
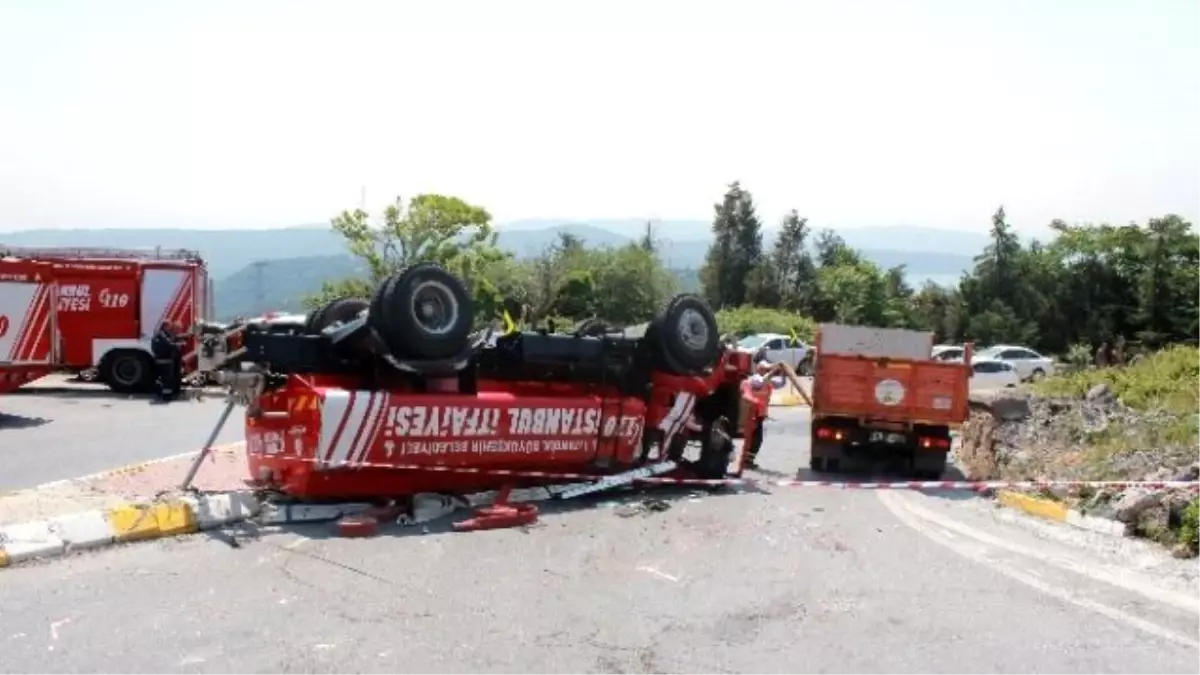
x,y
843,485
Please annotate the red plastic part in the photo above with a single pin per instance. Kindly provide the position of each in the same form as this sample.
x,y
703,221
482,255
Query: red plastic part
x,y
499,517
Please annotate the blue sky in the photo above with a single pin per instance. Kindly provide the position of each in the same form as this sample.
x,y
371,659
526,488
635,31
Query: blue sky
x,y
856,112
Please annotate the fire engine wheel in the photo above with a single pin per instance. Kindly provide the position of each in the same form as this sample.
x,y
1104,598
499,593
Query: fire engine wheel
x,y
128,372
424,312
715,450
688,334
339,310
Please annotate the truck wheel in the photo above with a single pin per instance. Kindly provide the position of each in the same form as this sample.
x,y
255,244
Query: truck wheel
x,y
338,310
825,456
687,334
715,450
929,465
128,371
424,312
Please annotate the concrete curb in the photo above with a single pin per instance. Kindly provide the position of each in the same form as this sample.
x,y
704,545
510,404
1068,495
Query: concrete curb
x,y
55,537
1058,512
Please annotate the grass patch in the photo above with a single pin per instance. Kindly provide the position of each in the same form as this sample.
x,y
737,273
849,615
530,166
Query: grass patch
x,y
1167,380
1166,384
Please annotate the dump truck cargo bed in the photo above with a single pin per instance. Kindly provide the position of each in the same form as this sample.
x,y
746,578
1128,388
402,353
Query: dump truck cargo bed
x,y
918,392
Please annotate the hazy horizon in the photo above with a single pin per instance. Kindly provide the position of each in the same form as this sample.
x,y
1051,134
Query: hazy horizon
x,y
857,113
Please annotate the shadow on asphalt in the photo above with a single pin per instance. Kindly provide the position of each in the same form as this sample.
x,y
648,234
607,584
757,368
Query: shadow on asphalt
x,y
82,391
8,421
647,502
101,392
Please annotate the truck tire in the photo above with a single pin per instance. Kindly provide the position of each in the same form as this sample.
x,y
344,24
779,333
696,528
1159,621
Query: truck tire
x,y
928,465
825,456
128,371
687,334
338,310
716,449
424,312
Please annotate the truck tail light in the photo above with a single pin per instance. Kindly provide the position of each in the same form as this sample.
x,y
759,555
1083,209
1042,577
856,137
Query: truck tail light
x,y
934,443
826,434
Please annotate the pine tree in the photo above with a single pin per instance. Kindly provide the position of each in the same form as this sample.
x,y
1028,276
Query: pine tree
x,y
718,275
647,242
793,264
751,276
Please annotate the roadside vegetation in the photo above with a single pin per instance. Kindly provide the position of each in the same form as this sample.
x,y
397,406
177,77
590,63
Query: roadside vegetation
x,y
1089,284
1166,380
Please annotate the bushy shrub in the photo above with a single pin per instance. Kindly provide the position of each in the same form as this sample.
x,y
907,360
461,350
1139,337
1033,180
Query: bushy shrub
x,y
1079,355
745,320
1166,380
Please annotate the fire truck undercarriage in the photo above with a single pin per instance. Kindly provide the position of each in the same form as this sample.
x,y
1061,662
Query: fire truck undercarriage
x,y
385,398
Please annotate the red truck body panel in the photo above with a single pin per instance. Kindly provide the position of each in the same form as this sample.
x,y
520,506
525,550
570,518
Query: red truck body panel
x,y
887,375
61,309
919,392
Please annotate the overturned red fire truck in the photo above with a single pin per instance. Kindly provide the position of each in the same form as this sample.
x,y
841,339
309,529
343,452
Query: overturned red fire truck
x,y
398,395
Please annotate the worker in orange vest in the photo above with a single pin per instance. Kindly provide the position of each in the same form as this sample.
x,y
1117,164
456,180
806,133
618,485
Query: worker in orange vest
x,y
756,390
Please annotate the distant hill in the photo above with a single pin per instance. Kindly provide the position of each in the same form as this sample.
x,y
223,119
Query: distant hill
x,y
285,283
226,251
297,259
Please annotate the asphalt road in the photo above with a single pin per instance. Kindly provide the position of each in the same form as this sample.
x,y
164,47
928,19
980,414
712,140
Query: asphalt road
x,y
794,580
49,434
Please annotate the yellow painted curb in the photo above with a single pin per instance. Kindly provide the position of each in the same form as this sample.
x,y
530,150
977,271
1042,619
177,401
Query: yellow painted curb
x,y
1043,508
133,522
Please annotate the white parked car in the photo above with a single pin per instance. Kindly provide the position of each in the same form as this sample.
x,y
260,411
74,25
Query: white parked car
x,y
948,353
993,374
775,348
1029,364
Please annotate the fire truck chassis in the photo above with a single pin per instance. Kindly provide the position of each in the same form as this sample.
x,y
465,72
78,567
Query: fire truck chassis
x,y
379,399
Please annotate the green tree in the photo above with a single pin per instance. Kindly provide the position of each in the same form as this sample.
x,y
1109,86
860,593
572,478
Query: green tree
x,y
793,264
734,259
434,228
717,276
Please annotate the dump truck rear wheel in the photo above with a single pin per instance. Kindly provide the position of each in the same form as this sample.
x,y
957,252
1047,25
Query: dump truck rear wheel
x,y
825,456
929,465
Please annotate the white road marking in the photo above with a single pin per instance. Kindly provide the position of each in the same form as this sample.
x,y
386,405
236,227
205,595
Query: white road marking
x,y
657,573
913,516
1110,574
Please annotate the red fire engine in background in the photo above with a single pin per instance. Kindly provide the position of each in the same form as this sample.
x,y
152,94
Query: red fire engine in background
x,y
84,309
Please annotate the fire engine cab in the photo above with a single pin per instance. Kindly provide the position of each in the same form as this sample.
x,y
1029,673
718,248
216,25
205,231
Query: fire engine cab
x,y
79,309
399,394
